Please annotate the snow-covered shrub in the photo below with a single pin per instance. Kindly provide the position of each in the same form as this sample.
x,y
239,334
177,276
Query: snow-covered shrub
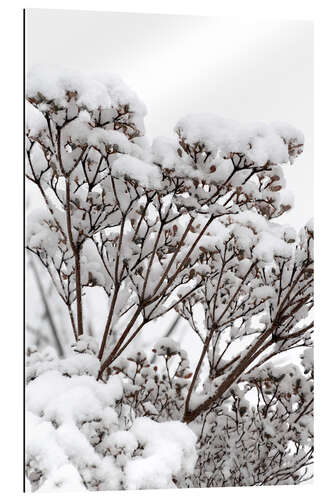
x,y
186,224
259,433
81,434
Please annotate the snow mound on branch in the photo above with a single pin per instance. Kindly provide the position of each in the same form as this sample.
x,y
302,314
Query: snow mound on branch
x,y
99,137
169,449
270,246
146,174
42,442
166,347
259,142
53,89
34,120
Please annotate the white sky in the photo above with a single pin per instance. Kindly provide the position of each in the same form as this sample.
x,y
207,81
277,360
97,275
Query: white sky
x,y
242,69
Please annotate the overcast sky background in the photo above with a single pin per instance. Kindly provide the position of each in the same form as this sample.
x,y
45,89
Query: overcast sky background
x,y
242,69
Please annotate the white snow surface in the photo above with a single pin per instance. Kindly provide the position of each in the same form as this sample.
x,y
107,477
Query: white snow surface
x,y
51,88
144,173
169,449
260,142
95,89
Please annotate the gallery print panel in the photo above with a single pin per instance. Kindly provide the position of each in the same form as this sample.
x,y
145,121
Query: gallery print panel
x,y
169,252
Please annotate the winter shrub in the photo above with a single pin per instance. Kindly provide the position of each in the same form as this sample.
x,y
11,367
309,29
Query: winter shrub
x,y
187,224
